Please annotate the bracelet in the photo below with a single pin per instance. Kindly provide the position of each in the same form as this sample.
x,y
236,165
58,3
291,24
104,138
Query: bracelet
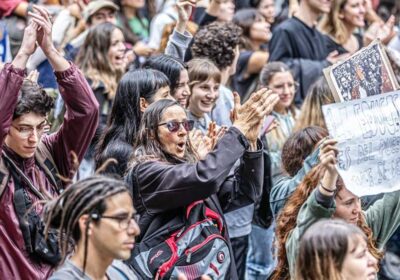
x,y
326,189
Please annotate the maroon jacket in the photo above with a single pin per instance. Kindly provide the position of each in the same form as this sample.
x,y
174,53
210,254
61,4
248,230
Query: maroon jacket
x,y
75,134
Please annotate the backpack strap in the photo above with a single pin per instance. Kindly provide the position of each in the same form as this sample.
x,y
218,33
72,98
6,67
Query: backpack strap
x,y
45,160
4,176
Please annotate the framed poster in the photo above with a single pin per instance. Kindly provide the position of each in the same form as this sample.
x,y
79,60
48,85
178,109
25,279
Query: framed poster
x,y
366,73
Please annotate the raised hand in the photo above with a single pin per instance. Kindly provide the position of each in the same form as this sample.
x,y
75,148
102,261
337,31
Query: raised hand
x,y
248,117
42,18
327,157
28,45
184,11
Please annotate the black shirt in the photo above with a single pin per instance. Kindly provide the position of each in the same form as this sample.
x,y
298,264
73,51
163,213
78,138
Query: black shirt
x,y
303,49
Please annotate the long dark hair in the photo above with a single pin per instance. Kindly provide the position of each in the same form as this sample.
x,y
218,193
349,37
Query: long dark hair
x,y
124,120
93,57
84,197
170,66
244,19
148,145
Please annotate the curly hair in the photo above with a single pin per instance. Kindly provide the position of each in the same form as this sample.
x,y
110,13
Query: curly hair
x,y
217,42
287,221
32,98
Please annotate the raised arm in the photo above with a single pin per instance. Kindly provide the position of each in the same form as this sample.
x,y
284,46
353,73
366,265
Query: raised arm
x,y
81,117
11,78
180,39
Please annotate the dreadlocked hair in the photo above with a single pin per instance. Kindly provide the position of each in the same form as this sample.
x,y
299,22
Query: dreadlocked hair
x,y
287,221
84,197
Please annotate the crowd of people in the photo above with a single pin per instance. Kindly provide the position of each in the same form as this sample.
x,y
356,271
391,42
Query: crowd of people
x,y
184,139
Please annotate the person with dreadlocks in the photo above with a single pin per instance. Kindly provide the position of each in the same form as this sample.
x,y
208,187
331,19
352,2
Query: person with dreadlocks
x,y
323,194
30,159
97,215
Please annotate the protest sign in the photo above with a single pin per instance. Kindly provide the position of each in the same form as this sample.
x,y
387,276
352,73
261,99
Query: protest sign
x,y
366,73
368,134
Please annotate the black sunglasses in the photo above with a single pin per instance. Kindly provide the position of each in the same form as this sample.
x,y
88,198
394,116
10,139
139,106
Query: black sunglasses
x,y
173,126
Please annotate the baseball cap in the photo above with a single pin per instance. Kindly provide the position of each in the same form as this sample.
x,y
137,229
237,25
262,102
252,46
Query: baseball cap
x,y
96,5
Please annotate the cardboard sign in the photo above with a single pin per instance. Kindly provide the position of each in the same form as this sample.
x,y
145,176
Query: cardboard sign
x,y
366,73
368,134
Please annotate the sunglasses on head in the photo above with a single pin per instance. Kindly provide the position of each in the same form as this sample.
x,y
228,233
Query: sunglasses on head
x,y
173,126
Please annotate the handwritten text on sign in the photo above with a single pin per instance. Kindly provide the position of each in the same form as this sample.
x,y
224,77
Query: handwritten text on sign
x,y
368,134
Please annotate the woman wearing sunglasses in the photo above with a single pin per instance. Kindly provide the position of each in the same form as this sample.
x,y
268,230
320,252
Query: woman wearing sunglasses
x,y
166,175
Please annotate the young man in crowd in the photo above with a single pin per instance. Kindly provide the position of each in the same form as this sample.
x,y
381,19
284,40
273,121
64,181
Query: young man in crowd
x,y
298,43
99,217
30,160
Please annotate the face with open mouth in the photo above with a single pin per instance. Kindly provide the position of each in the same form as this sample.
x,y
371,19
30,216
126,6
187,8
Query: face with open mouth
x,y
116,52
203,97
173,142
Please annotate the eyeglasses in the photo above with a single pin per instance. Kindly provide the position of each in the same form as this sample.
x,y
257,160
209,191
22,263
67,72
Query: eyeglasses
x,y
27,131
173,126
124,222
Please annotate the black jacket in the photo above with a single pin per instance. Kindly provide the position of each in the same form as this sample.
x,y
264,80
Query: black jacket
x,y
162,190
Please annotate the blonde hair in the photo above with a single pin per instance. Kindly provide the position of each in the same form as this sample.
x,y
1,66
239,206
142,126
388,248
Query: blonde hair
x,y
333,25
311,111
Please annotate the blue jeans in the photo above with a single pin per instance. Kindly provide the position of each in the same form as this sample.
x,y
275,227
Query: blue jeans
x,y
260,260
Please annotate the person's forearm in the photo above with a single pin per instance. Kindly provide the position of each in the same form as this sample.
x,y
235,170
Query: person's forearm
x,y
57,61
20,60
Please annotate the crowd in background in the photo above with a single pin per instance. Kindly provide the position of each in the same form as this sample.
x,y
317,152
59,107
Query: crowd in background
x,y
190,110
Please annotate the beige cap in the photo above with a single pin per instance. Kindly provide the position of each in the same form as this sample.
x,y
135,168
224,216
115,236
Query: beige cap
x,y
96,5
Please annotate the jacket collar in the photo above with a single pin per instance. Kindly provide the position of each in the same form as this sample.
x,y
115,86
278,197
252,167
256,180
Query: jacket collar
x,y
25,164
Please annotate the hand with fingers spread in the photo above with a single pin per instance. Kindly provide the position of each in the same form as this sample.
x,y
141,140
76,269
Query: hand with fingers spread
x,y
327,157
42,18
185,8
248,118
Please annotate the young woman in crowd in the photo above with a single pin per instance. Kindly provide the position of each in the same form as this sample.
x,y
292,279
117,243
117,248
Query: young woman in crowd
x,y
334,249
177,73
253,56
102,61
300,154
311,110
136,91
135,25
322,194
266,8
345,17
205,79
277,77
166,177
